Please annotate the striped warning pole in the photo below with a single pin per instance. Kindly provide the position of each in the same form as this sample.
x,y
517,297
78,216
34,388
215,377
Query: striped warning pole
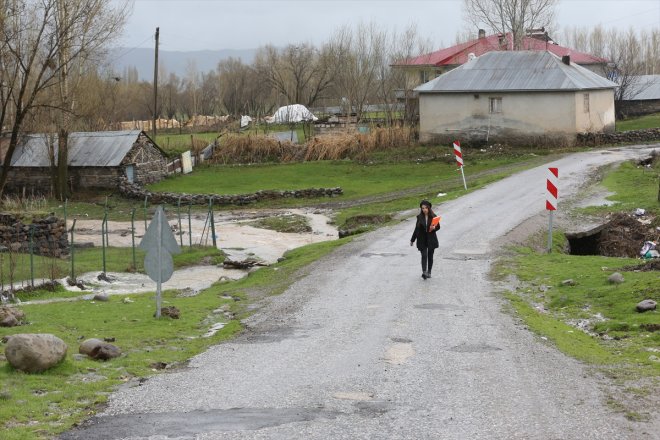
x,y
459,160
552,182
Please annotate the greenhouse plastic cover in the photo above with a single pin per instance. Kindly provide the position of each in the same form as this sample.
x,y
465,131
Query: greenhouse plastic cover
x,y
292,113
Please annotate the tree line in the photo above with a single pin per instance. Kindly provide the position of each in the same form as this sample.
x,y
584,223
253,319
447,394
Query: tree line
x,y
53,77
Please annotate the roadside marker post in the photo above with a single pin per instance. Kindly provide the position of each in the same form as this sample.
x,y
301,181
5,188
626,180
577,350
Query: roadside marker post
x,y
552,183
159,244
459,161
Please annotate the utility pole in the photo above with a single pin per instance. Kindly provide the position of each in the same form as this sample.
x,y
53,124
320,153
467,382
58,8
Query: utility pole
x,y
155,85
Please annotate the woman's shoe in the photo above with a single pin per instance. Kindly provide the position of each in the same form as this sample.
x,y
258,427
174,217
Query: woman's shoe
x,y
428,274
424,275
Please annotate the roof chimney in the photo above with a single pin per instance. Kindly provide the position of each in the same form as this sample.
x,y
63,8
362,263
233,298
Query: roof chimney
x,y
566,59
482,33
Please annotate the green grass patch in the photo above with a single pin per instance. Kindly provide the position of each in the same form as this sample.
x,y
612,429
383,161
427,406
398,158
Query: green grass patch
x,y
284,223
39,406
633,186
640,123
618,333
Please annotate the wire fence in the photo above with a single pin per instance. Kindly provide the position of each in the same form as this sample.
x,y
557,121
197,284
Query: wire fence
x,y
42,253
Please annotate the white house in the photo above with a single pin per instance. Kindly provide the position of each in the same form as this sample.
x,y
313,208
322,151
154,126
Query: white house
x,y
516,97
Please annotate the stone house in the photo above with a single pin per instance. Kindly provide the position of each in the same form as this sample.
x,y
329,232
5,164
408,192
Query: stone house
x,y
96,160
516,97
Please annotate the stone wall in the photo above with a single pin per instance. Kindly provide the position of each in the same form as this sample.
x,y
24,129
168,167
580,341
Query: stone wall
x,y
638,108
136,192
150,162
49,237
633,136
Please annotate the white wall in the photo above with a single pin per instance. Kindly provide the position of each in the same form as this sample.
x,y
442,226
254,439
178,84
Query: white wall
x,y
524,115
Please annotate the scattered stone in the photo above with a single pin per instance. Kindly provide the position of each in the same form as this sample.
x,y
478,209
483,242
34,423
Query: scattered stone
x,y
650,327
158,365
105,277
245,264
101,297
11,317
646,305
654,358
615,278
105,352
568,282
109,339
170,311
89,345
35,352
127,300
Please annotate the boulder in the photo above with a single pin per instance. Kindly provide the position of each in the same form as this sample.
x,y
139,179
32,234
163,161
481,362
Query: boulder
x,y
615,278
646,305
170,311
11,317
89,345
98,349
34,353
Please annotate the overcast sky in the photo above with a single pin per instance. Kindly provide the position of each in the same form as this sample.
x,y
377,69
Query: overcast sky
x,y
187,25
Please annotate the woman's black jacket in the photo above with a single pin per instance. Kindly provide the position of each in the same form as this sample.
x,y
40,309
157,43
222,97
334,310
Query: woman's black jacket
x,y
424,238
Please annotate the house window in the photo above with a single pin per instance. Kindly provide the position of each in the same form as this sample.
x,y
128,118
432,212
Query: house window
x,y
495,105
586,103
425,76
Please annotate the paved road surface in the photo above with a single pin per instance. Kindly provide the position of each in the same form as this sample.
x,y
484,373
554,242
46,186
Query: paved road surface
x,y
363,348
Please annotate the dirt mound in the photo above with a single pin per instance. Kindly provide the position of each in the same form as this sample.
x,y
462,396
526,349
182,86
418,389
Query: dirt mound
x,y
644,267
624,235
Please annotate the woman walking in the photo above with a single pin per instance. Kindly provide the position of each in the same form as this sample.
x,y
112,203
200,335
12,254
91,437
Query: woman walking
x,y
425,235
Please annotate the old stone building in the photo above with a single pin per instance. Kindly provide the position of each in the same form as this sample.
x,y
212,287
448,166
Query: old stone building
x,y
96,160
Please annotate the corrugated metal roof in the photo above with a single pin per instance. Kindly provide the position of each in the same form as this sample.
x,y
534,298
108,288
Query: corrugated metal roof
x,y
458,54
644,87
516,71
96,149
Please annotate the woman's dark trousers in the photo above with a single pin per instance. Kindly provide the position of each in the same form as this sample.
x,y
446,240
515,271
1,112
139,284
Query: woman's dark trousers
x,y
427,259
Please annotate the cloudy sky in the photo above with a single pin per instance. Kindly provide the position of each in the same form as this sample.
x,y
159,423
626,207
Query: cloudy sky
x,y
187,25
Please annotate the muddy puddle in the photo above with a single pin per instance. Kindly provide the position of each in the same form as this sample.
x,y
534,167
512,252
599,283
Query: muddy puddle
x,y
234,236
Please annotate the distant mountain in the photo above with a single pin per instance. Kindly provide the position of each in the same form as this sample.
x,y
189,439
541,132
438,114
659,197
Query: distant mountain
x,y
173,61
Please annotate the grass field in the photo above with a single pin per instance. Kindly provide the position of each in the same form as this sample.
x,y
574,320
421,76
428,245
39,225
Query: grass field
x,y
649,121
356,180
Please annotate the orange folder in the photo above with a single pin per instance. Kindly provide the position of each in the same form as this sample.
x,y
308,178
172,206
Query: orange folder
x,y
434,222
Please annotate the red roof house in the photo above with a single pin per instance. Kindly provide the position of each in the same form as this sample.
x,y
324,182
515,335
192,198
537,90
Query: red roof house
x,y
433,64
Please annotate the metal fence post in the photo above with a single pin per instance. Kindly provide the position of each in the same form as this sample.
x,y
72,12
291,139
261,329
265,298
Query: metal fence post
x,y
145,213
178,214
103,244
133,236
189,225
212,221
73,266
32,254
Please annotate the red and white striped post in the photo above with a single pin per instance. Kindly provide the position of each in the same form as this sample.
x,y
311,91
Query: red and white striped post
x,y
552,183
459,160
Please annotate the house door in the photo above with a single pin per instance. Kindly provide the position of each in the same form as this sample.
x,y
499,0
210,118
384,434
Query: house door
x,y
130,173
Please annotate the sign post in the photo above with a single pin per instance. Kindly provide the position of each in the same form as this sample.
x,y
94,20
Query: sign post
x,y
459,160
552,183
159,243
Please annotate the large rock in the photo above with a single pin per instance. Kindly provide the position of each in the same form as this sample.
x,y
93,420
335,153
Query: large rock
x,y
646,305
34,353
615,278
98,349
11,317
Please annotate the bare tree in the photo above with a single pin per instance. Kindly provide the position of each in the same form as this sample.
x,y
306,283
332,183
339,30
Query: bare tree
x,y
41,40
510,16
300,73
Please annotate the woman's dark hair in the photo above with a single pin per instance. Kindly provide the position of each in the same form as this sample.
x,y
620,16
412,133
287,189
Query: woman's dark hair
x,y
428,204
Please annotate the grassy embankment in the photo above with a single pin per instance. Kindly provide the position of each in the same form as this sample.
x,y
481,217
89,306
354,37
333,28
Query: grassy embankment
x,y
622,342
648,121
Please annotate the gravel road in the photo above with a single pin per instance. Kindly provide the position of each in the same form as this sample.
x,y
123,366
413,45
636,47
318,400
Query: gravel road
x,y
363,348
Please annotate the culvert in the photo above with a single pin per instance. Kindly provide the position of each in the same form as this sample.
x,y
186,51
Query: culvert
x,y
585,242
